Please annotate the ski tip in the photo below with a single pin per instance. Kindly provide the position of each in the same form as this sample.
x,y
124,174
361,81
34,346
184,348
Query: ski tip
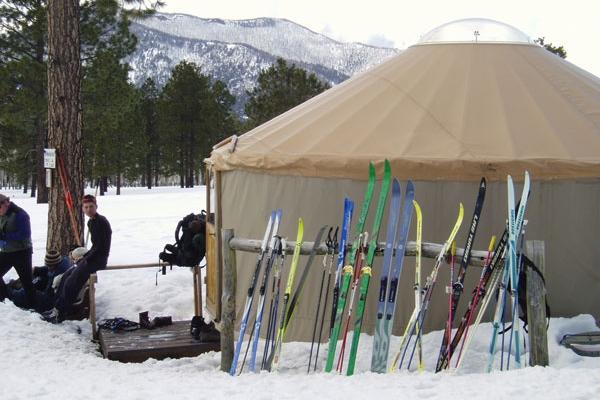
x,y
351,203
417,207
410,187
492,243
483,182
387,167
396,185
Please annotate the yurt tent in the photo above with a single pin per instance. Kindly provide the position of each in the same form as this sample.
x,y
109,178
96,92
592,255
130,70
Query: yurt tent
x,y
473,98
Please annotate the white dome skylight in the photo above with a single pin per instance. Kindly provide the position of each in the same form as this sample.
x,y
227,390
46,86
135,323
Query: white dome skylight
x,y
473,30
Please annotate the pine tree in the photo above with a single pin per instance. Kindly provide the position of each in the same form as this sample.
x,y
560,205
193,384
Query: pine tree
x,y
193,115
280,88
104,25
149,125
111,120
558,50
64,123
23,51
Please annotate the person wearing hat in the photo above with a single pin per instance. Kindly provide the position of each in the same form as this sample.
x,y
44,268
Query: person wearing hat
x,y
15,247
54,265
45,282
94,260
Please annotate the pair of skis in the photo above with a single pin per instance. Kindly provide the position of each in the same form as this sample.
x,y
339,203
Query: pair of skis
x,y
291,302
360,270
484,291
417,318
266,252
389,281
456,287
366,271
511,272
347,271
273,360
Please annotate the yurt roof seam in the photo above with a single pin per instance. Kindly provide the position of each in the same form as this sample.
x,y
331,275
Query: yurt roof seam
x,y
557,88
433,117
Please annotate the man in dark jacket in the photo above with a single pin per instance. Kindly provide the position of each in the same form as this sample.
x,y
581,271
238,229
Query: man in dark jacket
x,y
15,247
94,260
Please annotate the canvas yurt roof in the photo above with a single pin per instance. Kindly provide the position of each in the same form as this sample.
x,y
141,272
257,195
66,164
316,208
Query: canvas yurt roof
x,y
473,97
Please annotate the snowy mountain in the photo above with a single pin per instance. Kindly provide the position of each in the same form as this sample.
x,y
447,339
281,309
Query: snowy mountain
x,y
236,51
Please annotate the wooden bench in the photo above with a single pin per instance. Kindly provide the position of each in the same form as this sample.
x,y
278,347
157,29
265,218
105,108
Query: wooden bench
x,y
172,341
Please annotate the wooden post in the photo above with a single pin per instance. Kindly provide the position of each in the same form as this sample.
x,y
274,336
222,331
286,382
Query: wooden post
x,y
228,301
92,293
536,305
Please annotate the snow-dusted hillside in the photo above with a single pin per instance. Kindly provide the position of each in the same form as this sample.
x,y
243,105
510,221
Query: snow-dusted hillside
x,y
279,37
236,51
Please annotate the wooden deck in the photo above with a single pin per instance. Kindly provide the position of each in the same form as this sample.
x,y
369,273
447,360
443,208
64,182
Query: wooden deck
x,y
173,341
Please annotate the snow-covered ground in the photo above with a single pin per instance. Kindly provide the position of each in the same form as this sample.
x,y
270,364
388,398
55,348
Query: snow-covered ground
x,y
39,360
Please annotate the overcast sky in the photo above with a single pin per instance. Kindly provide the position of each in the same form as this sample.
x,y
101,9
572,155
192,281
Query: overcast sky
x,y
574,24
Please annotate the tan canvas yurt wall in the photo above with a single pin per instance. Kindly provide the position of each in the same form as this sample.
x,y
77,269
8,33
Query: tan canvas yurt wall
x,y
564,214
445,114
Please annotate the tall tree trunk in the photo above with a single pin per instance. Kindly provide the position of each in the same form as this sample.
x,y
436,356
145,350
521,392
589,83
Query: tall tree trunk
x,y
182,170
33,182
103,185
119,184
148,174
64,119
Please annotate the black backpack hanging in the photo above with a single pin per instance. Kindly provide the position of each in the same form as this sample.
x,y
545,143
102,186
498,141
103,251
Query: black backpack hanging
x,y
522,289
190,242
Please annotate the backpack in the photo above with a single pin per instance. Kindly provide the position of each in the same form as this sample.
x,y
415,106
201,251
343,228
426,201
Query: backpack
x,y
522,293
190,242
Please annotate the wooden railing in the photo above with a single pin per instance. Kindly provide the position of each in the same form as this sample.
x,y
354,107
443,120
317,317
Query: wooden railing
x,y
231,244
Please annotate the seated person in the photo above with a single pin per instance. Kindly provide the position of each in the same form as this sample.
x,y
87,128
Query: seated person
x,y
45,282
94,260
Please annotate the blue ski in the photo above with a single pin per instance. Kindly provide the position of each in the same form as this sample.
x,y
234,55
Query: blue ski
x,y
515,224
346,223
378,364
272,256
249,297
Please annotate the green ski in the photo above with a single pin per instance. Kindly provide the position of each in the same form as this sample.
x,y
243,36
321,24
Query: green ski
x,y
366,270
348,270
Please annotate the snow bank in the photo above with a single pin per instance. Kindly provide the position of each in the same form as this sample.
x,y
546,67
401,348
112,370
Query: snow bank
x,y
39,360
